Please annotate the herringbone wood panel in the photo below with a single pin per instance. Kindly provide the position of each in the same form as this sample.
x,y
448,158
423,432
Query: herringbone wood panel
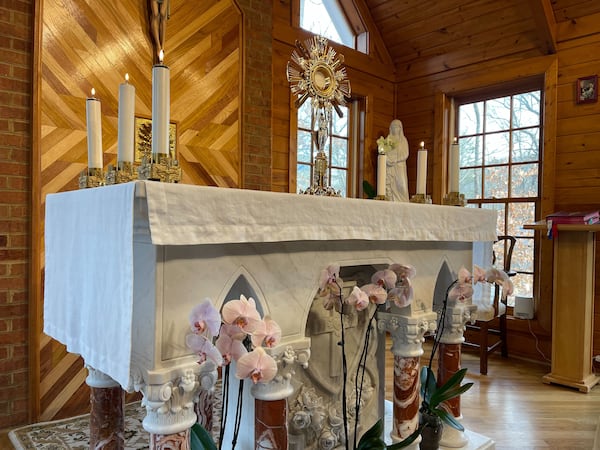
x,y
88,44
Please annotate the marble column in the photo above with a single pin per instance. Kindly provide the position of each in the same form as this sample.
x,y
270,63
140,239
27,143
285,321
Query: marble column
x,y
107,401
407,348
449,363
170,411
270,413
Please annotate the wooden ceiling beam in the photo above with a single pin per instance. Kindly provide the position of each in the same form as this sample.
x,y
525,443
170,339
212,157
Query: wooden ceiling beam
x,y
545,23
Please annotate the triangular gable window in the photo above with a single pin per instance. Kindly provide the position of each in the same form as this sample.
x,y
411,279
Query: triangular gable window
x,y
329,18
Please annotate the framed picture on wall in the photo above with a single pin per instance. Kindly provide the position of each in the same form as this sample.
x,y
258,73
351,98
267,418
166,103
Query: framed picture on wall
x,y
587,89
143,138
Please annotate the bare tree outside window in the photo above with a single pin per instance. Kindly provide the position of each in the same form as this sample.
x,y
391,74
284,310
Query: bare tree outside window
x,y
500,156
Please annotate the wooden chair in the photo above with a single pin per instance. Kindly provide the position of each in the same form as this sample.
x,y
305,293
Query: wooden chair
x,y
477,335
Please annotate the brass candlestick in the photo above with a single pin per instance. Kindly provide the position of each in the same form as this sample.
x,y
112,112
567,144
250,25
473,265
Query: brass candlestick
x,y
421,198
91,177
160,167
454,199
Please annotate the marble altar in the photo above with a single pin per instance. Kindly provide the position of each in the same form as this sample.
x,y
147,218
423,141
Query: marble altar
x,y
125,264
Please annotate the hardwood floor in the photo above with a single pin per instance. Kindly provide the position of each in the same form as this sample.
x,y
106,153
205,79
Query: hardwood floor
x,y
513,407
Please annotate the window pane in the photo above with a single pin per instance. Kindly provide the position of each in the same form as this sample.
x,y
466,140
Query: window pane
x,y
522,259
302,177
526,145
304,116
524,180
340,124
471,118
518,215
496,182
497,114
338,180
471,151
339,152
499,208
523,285
526,109
304,146
470,183
497,148
327,19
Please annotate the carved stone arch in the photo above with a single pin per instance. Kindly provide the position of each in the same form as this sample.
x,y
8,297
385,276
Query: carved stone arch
x,y
243,283
444,278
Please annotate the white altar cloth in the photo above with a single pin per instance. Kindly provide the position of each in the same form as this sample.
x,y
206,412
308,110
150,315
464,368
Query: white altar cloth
x,y
91,235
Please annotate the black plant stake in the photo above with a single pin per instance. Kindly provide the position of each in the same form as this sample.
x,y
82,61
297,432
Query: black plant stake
x,y
360,372
224,403
238,415
342,343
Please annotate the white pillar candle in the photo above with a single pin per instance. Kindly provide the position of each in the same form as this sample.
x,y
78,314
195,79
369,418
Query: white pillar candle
x,y
160,108
126,121
422,169
93,118
381,173
453,167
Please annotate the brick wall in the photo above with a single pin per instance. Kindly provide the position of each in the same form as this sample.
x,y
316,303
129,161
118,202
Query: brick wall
x,y
16,35
256,145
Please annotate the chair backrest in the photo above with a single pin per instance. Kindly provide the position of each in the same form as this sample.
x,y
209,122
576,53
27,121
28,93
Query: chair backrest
x,y
508,243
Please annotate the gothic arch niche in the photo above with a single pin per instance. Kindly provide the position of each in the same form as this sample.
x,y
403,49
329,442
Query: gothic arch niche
x,y
444,279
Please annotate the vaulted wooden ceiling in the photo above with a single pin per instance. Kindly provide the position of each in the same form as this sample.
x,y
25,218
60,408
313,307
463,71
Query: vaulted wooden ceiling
x,y
429,36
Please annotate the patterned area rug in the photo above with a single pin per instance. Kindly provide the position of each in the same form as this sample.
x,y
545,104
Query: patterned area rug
x,y
74,433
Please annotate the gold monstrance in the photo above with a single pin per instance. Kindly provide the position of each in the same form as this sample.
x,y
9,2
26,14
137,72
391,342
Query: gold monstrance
x,y
319,75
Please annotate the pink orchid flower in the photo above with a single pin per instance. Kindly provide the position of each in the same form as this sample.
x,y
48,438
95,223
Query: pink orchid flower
x,y
385,278
268,332
329,276
204,349
464,276
358,298
403,270
242,313
479,274
230,348
377,294
460,292
205,317
402,295
256,365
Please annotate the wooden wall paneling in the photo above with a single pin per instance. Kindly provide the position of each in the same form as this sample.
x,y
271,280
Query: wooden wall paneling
x,y
80,47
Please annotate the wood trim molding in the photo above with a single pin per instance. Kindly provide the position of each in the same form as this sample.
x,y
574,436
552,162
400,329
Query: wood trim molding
x,y
545,24
35,267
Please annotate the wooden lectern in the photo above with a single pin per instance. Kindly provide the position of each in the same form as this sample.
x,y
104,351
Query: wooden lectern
x,y
572,305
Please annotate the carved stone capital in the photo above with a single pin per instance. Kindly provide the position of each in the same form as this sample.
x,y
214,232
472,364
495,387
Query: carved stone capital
x,y
98,379
278,388
457,317
407,332
170,406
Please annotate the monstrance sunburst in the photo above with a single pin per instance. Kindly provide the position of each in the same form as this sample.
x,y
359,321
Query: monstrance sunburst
x,y
318,73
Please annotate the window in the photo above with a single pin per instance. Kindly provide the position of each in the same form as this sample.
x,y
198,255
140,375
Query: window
x,y
500,155
337,20
337,150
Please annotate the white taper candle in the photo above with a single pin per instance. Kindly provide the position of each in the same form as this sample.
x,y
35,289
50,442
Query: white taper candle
x,y
93,116
160,108
453,167
422,170
126,121
381,173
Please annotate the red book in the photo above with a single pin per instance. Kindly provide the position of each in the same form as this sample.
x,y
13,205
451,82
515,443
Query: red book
x,y
578,217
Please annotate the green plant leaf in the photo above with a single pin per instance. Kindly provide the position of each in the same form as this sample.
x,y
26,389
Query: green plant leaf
x,y
449,389
406,442
372,438
429,382
449,419
200,439
369,190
